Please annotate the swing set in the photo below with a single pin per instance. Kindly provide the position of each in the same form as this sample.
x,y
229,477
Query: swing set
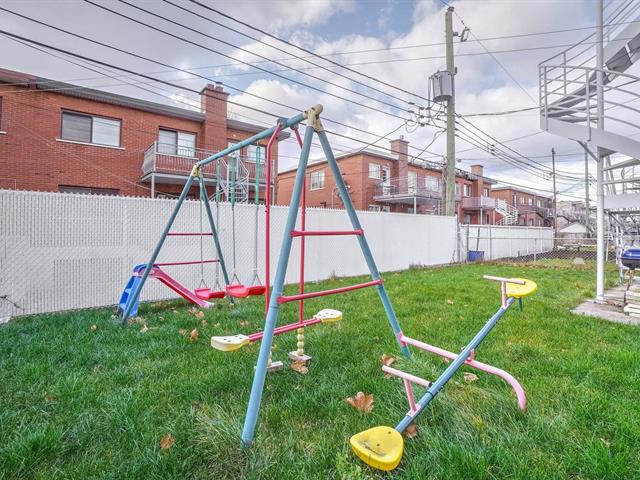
x,y
380,447
200,296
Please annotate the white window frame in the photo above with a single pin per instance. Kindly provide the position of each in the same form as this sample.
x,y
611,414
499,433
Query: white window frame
x,y
375,171
486,192
412,182
539,203
530,201
522,201
316,178
179,150
457,189
374,208
466,188
431,183
92,131
386,208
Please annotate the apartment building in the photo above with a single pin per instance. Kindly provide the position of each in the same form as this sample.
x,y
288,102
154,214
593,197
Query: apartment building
x,y
56,136
533,209
393,182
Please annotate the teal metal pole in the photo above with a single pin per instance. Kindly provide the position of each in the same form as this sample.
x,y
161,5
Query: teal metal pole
x,y
364,245
453,367
214,233
253,408
136,293
286,123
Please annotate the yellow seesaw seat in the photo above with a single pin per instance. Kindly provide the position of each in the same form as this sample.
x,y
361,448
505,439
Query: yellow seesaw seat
x,y
229,343
519,291
379,447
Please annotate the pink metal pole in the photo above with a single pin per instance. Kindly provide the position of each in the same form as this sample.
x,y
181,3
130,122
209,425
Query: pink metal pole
x,y
517,388
189,234
196,262
254,337
406,376
267,222
303,224
410,397
323,293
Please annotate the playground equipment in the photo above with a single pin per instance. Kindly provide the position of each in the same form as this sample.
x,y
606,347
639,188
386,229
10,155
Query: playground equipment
x,y
275,295
129,299
381,447
237,289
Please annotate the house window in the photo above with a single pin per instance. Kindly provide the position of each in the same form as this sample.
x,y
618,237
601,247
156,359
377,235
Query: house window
x,y
539,203
374,208
531,222
317,180
530,201
89,129
432,183
457,189
521,200
514,199
485,192
374,170
412,182
87,190
172,142
256,153
467,190
0,114
467,219
386,208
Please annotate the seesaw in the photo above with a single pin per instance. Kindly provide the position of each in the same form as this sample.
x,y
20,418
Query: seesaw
x,y
234,342
381,447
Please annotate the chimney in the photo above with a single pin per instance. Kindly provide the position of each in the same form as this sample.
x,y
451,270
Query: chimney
x,y
477,170
213,103
400,147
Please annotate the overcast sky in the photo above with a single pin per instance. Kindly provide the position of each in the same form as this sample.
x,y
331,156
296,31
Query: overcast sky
x,y
376,37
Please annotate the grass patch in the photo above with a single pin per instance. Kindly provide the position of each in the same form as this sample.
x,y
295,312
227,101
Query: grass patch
x,y
78,403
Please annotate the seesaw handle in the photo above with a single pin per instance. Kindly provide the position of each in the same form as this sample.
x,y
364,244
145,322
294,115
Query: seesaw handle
x,y
503,286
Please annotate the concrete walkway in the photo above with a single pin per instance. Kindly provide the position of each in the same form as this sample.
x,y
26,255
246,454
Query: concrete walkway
x,y
611,310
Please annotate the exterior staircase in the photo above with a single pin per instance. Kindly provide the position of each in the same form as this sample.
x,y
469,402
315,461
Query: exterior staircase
x,y
509,212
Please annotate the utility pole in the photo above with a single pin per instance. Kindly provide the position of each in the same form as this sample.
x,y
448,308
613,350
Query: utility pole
x,y
587,213
555,204
450,165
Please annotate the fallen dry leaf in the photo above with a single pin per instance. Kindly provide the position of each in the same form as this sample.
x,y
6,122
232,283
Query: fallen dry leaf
x,y
49,397
244,323
361,402
470,377
97,368
167,442
411,431
194,310
387,360
194,335
205,323
182,332
144,328
93,327
199,314
449,301
300,367
445,360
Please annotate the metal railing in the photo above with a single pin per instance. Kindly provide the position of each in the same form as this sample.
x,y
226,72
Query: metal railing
x,y
402,186
168,158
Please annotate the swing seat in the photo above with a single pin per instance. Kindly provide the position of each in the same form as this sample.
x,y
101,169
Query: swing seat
x,y
379,447
206,293
242,291
328,315
229,343
519,291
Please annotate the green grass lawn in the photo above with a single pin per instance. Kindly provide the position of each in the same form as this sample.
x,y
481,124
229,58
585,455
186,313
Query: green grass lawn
x,y
79,403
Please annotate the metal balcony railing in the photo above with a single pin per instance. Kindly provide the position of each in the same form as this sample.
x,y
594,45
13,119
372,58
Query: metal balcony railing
x,y
472,203
178,160
402,187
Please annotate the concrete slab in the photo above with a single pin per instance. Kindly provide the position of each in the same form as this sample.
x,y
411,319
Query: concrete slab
x,y
611,310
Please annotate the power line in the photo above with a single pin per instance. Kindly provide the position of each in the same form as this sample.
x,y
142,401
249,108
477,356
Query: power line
x,y
270,72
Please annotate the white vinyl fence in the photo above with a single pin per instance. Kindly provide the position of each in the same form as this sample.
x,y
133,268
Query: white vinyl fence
x,y
69,251
497,241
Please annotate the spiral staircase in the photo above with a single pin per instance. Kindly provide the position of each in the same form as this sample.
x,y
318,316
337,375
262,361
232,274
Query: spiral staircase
x,y
571,106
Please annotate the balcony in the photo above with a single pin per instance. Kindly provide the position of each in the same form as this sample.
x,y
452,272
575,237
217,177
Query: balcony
x,y
167,163
544,212
400,190
477,203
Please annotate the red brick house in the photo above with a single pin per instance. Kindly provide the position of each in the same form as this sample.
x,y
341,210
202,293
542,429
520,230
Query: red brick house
x,y
56,136
393,183
533,209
